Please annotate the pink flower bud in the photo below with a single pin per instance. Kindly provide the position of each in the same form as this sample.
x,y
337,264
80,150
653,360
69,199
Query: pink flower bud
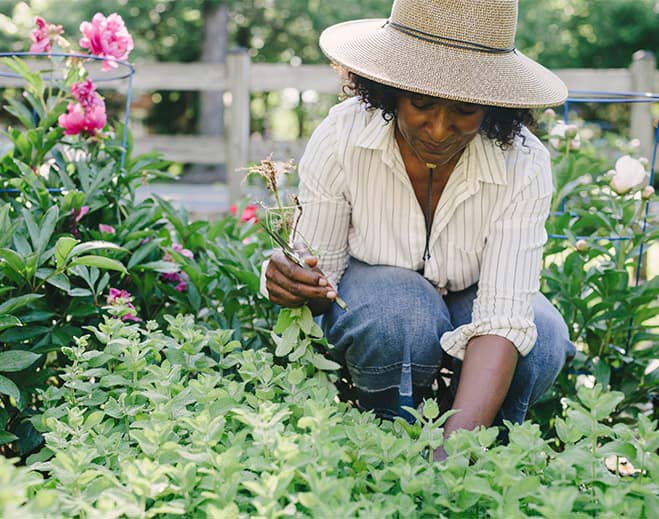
x,y
549,113
106,228
648,192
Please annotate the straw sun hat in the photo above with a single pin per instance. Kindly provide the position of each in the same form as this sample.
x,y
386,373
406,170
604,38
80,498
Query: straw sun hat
x,y
455,49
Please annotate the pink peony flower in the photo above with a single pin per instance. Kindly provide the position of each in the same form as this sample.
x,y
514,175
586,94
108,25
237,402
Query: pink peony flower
x,y
85,93
131,317
117,296
184,252
78,119
107,38
106,228
42,34
181,287
78,214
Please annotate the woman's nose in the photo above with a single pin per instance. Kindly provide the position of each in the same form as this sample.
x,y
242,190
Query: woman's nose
x,y
440,124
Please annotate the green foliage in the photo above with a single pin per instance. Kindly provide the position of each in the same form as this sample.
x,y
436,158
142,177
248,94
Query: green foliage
x,y
592,281
61,253
185,421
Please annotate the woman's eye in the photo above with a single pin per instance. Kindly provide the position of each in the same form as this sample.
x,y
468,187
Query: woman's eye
x,y
427,106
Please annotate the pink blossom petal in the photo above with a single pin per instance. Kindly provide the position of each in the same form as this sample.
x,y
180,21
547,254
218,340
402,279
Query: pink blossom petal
x,y
106,228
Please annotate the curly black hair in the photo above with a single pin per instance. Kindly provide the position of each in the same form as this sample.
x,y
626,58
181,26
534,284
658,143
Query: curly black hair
x,y
500,124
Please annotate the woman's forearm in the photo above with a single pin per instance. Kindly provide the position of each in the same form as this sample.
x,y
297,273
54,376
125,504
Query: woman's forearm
x,y
487,371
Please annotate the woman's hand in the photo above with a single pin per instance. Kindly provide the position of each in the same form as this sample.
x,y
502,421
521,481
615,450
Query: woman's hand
x,y
290,285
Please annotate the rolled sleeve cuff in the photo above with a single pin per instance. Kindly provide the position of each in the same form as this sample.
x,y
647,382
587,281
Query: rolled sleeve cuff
x,y
521,332
262,284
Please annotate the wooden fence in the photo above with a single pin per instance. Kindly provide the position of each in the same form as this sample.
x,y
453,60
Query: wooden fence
x,y
240,77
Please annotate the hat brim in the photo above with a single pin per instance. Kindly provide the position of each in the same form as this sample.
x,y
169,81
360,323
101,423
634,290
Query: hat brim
x,y
393,58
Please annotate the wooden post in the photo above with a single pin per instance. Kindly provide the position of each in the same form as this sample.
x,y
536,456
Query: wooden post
x,y
642,70
238,66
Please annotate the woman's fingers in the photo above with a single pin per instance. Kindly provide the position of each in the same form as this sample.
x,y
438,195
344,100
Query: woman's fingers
x,y
290,285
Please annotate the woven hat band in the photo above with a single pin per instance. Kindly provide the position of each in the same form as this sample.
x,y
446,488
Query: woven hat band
x,y
488,23
449,42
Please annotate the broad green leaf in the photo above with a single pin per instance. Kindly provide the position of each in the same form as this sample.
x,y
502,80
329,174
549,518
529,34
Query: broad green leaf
x,y
60,281
32,228
9,321
306,321
7,437
16,360
288,341
87,246
18,302
63,248
13,260
100,262
47,227
164,267
142,253
322,363
7,387
284,320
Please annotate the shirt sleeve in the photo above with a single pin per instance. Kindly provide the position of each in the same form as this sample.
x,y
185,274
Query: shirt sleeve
x,y
324,223
510,273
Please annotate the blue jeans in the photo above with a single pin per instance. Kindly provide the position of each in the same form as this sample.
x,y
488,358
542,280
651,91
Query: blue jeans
x,y
389,340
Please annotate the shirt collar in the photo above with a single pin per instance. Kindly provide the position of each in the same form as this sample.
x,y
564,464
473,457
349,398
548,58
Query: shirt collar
x,y
489,164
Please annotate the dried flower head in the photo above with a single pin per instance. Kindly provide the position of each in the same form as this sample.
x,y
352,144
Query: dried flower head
x,y
271,171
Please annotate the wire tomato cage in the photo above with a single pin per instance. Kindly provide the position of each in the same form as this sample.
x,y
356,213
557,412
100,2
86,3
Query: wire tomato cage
x,y
595,96
55,74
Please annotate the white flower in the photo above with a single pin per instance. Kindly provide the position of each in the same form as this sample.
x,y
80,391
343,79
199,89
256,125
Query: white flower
x,y
629,174
560,132
635,144
587,381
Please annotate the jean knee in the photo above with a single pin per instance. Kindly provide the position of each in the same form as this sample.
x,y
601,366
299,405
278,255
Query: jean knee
x,y
407,314
551,350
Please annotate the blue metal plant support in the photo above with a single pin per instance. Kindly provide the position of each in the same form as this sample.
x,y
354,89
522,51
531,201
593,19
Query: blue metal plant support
x,y
591,96
123,71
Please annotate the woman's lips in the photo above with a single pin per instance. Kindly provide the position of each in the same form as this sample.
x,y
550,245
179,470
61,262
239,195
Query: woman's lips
x,y
435,150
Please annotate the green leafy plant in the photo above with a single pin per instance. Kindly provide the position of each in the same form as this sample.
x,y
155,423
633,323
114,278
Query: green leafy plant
x,y
186,421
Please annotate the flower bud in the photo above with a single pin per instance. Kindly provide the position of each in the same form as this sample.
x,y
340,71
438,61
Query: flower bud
x,y
549,113
629,174
635,144
571,131
648,192
582,245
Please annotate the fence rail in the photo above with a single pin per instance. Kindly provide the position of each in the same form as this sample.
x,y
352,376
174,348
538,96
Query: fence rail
x,y
240,77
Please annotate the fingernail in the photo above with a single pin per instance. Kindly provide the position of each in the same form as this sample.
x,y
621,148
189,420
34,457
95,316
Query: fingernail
x,y
322,282
331,295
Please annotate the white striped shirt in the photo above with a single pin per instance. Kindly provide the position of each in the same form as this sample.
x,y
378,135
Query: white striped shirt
x,y
488,226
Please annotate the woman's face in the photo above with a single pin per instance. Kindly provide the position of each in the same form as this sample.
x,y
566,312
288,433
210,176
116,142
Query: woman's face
x,y
436,130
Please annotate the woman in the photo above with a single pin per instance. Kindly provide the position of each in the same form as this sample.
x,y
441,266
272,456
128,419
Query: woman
x,y
425,196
